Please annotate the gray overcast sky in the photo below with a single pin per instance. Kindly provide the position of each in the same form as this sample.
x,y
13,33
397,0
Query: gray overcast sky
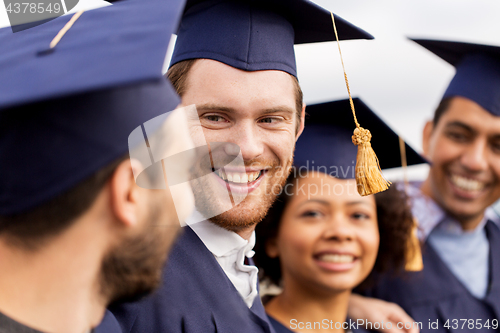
x,y
400,80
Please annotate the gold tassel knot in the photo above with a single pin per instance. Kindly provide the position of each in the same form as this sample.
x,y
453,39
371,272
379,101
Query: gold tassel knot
x,y
361,136
368,173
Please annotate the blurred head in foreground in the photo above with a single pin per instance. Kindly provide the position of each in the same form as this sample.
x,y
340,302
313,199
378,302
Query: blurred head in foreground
x,y
76,228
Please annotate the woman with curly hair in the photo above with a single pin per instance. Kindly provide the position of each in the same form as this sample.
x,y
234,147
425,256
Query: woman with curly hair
x,y
321,239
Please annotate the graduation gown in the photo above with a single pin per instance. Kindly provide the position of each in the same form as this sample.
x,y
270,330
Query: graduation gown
x,y
109,324
196,296
436,294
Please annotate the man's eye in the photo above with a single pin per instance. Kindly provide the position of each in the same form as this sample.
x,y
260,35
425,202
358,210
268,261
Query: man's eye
x,y
214,118
269,120
496,147
457,136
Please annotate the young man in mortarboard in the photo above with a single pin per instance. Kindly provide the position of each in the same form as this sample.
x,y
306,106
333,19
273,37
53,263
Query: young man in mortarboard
x,y
76,230
459,287
235,61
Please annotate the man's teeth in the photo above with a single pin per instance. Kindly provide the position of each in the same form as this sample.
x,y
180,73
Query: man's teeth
x,y
337,258
238,177
467,184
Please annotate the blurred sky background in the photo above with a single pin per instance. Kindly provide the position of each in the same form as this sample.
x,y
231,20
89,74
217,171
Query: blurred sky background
x,y
398,79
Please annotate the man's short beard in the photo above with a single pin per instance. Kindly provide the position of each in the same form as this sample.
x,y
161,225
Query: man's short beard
x,y
133,269
240,218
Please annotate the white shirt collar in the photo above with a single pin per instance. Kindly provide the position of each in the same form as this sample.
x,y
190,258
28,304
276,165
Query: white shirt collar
x,y
430,215
230,250
222,242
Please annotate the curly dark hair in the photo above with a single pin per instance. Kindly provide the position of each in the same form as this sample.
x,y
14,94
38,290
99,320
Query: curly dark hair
x,y
395,222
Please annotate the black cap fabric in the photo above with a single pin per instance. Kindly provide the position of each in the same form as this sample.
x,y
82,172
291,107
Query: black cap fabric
x,y
477,74
256,35
326,144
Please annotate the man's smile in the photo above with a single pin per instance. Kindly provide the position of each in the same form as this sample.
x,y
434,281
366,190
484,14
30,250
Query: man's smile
x,y
239,177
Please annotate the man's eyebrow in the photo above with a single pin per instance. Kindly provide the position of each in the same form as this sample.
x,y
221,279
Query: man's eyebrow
x,y
215,107
281,108
461,125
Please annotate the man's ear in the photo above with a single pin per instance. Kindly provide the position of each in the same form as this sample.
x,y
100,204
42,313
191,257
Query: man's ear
x,y
426,137
125,193
302,122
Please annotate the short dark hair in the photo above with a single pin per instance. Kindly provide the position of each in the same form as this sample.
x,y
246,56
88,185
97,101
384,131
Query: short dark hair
x,y
441,109
31,229
395,222
178,73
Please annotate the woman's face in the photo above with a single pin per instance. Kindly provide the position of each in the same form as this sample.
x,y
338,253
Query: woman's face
x,y
328,237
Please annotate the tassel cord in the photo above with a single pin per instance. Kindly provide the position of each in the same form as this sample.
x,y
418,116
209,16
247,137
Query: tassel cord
x,y
345,74
65,29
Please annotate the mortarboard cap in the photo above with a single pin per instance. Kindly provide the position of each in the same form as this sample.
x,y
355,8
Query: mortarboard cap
x,y
67,113
477,74
326,144
255,35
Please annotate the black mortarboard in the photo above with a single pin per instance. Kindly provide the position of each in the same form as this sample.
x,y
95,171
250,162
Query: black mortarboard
x,y
255,35
326,144
477,74
67,113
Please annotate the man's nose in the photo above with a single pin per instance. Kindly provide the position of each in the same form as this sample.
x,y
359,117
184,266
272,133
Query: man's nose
x,y
475,156
246,135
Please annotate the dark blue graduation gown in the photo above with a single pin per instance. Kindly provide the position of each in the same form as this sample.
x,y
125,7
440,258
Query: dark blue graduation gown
x,y
436,294
108,325
196,296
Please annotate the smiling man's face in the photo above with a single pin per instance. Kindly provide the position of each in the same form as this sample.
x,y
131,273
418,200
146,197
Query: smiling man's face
x,y
257,112
464,149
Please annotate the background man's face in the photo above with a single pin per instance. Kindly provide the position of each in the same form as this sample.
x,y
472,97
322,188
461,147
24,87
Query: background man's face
x,y
464,148
257,112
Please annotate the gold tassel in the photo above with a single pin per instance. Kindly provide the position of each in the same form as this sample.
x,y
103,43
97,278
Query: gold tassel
x,y
414,261
368,174
369,178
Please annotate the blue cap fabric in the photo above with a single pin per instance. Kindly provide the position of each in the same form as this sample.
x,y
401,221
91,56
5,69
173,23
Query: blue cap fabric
x,y
477,74
326,144
117,45
255,35
68,113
